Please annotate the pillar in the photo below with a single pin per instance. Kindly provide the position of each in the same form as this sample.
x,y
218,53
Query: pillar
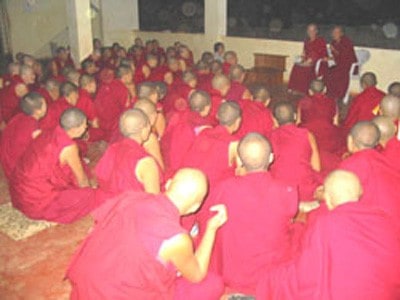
x,y
79,29
215,18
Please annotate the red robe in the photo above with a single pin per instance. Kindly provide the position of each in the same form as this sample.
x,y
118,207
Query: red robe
x,y
362,106
9,101
157,73
115,171
179,135
392,153
15,139
216,101
380,181
129,232
317,114
177,98
351,252
292,157
257,234
337,78
301,76
85,103
236,91
210,153
44,189
204,81
54,112
42,91
111,101
255,118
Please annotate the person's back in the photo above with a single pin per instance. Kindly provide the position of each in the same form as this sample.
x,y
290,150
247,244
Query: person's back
x,y
137,224
363,105
126,166
257,234
15,139
349,252
378,178
292,156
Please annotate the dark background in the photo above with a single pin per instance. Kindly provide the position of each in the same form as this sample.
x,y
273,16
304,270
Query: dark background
x,y
281,19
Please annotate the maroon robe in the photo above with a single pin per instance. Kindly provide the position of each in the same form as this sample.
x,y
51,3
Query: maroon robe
x,y
257,234
216,101
255,118
380,181
362,107
157,73
54,112
15,139
317,114
9,101
236,91
351,252
44,189
392,153
301,76
111,101
204,81
210,153
337,78
179,136
292,160
129,232
46,95
115,171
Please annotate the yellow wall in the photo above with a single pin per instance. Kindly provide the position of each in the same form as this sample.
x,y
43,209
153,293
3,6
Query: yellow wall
x,y
32,31
385,63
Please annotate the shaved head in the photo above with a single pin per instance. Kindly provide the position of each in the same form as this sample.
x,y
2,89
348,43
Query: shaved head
x,y
228,113
187,190
220,81
236,72
202,66
73,76
216,67
261,94
188,76
390,107
255,152
284,113
365,135
148,107
199,100
341,187
394,89
52,84
369,79
31,102
122,71
85,80
317,86
146,90
386,127
72,118
67,88
132,123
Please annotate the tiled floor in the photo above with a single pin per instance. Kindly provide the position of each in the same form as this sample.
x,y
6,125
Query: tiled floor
x,y
34,268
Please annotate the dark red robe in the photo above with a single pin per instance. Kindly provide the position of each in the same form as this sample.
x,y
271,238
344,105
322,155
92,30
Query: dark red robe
x,y
362,107
115,171
337,78
392,153
15,140
380,181
317,114
236,91
54,112
129,232
179,135
9,101
255,118
292,160
257,234
301,76
42,91
111,101
44,189
204,81
351,252
216,101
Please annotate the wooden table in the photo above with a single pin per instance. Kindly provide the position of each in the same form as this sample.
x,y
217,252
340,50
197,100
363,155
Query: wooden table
x,y
268,69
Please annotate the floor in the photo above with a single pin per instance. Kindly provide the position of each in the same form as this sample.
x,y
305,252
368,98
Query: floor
x,y
34,268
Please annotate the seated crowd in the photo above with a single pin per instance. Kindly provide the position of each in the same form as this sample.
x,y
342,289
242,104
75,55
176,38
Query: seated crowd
x,y
206,186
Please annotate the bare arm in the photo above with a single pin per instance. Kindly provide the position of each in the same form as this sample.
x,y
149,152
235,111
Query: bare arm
x,y
233,146
160,125
70,156
152,147
179,249
147,173
298,120
315,160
